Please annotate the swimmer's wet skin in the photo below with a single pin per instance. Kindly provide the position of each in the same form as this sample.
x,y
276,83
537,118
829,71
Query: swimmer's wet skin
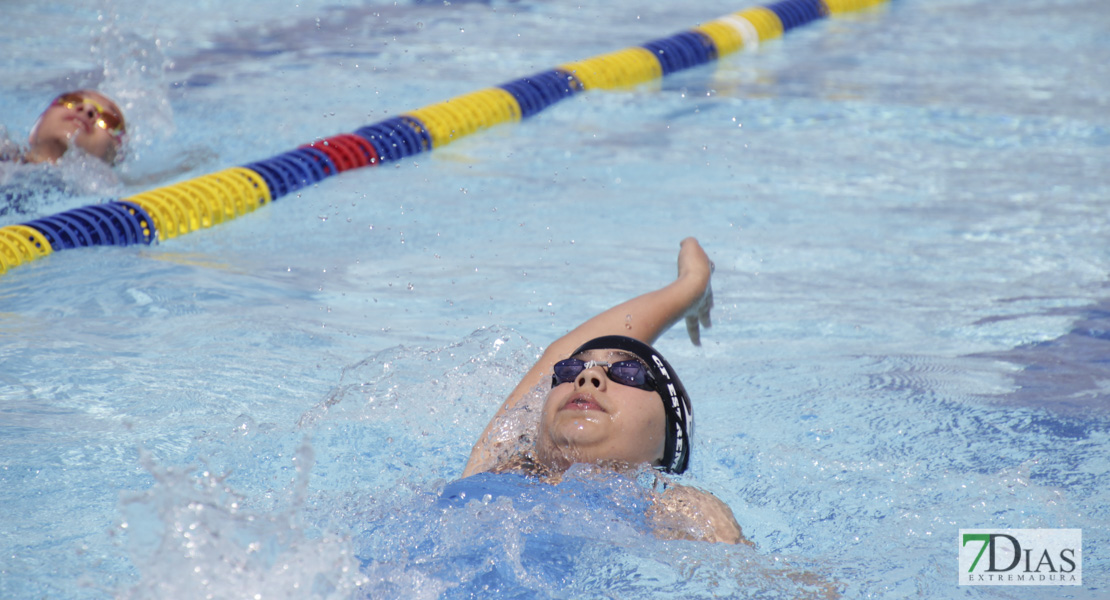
x,y
676,403
620,420
85,119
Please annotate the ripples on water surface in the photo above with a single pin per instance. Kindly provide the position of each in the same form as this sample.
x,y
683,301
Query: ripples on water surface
x,y
908,214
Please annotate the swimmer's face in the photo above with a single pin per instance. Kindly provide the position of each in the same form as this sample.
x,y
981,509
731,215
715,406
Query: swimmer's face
x,y
86,119
595,419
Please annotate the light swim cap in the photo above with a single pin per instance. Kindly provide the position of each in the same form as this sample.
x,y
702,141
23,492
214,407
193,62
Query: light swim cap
x,y
680,414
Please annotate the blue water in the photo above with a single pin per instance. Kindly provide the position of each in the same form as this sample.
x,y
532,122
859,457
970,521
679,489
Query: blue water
x,y
908,212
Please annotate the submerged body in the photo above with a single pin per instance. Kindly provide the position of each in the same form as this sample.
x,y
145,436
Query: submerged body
x,y
616,403
642,500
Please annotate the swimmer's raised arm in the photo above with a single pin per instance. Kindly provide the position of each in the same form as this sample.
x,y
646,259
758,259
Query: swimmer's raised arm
x,y
644,318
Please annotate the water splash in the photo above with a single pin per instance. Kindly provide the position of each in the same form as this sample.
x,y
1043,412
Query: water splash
x,y
567,545
192,535
132,72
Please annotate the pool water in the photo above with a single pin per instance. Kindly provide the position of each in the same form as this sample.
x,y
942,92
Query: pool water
x,y
908,213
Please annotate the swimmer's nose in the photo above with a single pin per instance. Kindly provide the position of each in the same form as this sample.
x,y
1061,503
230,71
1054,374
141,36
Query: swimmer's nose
x,y
91,112
591,377
87,112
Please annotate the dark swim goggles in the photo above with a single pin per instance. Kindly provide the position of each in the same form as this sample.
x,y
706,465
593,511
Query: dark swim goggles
x,y
632,373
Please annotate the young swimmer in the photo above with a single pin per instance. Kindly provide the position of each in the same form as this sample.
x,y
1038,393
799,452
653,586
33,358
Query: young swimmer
x,y
86,119
615,402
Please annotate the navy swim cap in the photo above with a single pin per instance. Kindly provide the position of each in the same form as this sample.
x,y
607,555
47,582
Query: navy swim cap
x,y
680,414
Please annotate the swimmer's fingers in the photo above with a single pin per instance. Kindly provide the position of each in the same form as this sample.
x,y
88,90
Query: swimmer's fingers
x,y
695,268
703,316
692,330
698,316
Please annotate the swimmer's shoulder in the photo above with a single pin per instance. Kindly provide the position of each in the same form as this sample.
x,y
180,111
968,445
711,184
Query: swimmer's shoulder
x,y
701,511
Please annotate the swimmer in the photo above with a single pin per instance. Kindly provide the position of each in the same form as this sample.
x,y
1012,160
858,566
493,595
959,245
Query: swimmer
x,y
86,119
615,402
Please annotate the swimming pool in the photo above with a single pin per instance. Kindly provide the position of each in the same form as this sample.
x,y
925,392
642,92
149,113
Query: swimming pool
x,y
906,207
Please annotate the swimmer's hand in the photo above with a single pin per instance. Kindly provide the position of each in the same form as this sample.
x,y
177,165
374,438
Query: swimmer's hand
x,y
695,270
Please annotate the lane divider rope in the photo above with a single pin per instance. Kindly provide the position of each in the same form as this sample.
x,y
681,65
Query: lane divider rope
x,y
169,211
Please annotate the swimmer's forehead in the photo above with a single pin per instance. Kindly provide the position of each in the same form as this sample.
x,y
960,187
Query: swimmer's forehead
x,y
610,355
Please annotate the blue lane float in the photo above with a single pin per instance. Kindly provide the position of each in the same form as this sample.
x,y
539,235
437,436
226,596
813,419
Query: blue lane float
x,y
166,212
396,138
110,224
